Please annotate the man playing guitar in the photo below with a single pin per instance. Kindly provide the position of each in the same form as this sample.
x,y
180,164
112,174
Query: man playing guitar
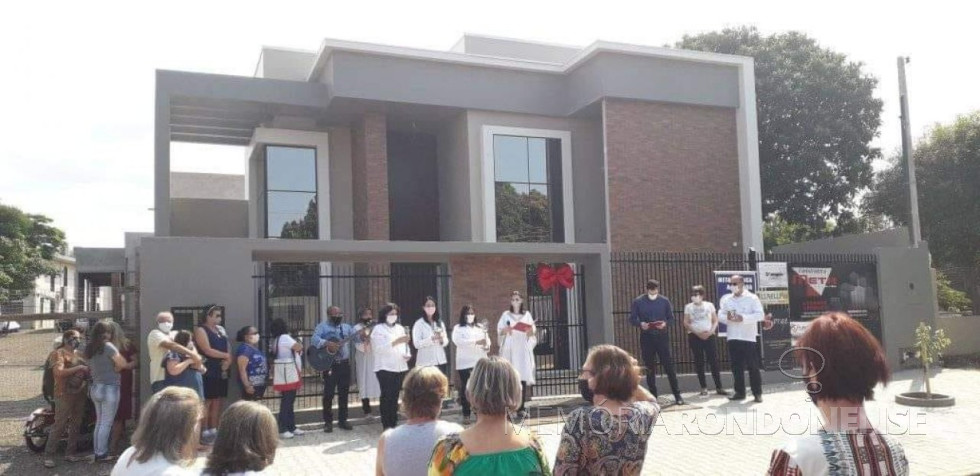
x,y
334,334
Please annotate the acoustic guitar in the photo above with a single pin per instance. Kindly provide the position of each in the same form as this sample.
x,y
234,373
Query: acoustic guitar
x,y
321,359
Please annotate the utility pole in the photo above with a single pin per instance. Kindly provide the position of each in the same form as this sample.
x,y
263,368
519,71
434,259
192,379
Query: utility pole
x,y
915,233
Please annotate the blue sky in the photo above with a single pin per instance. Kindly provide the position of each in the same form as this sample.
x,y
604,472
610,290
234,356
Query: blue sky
x,y
77,77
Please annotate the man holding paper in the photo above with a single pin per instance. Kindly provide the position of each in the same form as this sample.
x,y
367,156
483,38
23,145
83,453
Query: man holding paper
x,y
652,313
742,311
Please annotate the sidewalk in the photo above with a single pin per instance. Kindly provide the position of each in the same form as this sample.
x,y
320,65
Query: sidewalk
x,y
936,441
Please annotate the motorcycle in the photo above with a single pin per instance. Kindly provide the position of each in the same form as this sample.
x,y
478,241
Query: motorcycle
x,y
37,428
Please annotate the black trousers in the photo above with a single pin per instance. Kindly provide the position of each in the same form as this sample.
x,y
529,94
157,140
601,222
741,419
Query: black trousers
x,y
705,348
336,381
743,355
654,346
464,376
391,385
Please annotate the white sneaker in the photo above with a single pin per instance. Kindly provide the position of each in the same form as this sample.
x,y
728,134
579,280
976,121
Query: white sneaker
x,y
298,432
286,435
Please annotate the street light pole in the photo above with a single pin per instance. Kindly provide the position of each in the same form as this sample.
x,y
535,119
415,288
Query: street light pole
x,y
915,233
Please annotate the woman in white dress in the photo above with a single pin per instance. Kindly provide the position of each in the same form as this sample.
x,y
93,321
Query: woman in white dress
x,y
472,343
367,381
430,339
517,346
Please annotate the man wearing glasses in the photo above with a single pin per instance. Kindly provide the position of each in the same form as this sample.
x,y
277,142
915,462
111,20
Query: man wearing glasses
x,y
336,379
651,312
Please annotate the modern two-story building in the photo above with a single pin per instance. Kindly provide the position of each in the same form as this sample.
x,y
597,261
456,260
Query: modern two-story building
x,y
380,173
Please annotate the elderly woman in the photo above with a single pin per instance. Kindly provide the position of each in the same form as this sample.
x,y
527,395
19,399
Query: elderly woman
x,y
166,438
609,436
493,445
405,450
247,440
831,346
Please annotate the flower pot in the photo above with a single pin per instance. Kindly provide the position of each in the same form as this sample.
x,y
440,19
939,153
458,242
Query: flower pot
x,y
921,399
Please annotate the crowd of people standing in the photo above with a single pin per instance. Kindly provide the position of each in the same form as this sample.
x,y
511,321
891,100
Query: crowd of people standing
x,y
190,373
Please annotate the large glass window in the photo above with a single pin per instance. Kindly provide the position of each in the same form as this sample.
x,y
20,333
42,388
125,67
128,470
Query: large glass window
x,y
290,201
528,189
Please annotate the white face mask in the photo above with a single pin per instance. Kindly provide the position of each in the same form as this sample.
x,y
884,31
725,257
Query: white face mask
x,y
253,339
429,310
392,319
165,327
696,299
653,294
470,318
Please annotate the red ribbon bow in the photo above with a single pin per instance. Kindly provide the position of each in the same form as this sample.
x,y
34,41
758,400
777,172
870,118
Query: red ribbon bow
x,y
549,279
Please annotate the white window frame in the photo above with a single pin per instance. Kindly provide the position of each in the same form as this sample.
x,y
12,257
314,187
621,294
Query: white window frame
x,y
489,192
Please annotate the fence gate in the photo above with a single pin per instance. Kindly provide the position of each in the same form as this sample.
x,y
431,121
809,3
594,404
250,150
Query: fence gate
x,y
559,315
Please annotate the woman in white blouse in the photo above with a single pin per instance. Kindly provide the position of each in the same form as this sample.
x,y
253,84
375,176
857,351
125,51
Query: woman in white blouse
x,y
367,381
516,345
389,342
429,337
472,343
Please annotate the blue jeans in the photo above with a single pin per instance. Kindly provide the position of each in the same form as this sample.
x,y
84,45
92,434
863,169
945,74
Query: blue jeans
x,y
106,400
287,418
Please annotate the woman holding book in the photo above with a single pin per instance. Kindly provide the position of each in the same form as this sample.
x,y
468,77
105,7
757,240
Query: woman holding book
x,y
516,330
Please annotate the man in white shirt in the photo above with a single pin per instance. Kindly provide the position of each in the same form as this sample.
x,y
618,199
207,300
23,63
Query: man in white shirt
x,y
742,311
158,343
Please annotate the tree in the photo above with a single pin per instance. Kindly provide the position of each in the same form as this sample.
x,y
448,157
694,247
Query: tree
x,y
306,228
27,244
929,346
947,176
817,116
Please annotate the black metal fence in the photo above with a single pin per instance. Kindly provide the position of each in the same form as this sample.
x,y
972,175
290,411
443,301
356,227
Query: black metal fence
x,y
299,293
677,273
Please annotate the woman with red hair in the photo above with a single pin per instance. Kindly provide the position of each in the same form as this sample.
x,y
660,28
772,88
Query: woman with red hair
x,y
842,364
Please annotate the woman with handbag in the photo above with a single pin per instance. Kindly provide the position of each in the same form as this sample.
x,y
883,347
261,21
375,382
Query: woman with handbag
x,y
286,375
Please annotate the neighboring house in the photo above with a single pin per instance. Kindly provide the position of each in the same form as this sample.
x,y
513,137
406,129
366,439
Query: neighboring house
x,y
471,164
52,293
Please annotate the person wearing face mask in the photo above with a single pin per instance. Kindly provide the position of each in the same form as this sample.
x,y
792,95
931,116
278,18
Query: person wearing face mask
x,y
610,434
253,368
742,311
517,340
106,363
367,381
389,342
69,402
701,322
181,371
652,313
843,364
334,334
159,342
430,339
472,343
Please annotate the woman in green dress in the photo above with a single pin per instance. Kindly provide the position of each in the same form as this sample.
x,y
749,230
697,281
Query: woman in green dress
x,y
493,445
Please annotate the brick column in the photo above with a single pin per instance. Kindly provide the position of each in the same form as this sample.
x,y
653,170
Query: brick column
x,y
369,174
485,282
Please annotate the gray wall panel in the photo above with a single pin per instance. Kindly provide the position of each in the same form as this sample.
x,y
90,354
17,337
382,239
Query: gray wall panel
x,y
209,217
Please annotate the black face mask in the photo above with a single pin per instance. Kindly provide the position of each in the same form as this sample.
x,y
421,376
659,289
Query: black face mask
x,y
73,343
583,388
336,319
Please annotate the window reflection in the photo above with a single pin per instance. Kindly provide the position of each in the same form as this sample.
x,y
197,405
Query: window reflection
x,y
525,170
291,205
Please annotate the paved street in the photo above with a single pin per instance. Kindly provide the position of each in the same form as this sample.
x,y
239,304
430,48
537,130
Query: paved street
x,y
935,440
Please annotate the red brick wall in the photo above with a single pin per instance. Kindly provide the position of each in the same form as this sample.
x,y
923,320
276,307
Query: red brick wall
x,y
673,177
369,174
485,282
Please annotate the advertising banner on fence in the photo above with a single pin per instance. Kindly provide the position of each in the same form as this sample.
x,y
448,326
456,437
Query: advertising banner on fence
x,y
773,275
777,339
722,288
815,289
